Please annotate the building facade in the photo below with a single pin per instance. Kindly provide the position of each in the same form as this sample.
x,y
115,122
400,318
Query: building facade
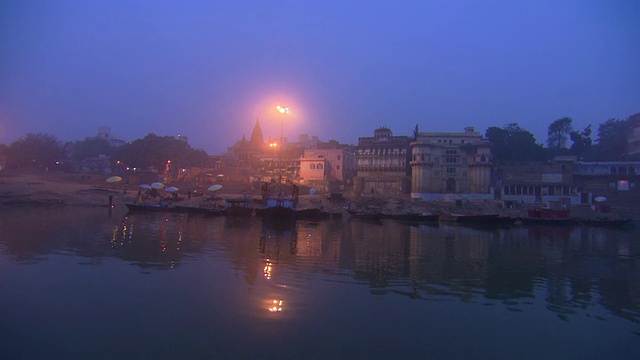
x,y
617,181
447,166
328,164
382,163
538,182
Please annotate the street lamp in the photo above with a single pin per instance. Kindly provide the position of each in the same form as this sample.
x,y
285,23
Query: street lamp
x,y
282,110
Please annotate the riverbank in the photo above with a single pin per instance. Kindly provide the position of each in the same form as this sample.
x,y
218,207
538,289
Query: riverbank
x,y
39,188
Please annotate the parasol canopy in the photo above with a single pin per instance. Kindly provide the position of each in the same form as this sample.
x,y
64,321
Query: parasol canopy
x,y
114,179
313,191
145,186
171,189
157,185
214,187
601,199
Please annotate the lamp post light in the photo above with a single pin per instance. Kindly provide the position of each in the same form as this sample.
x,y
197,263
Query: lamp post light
x,y
282,110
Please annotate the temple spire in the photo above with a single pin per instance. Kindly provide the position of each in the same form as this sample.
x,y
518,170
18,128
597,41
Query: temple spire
x,y
257,140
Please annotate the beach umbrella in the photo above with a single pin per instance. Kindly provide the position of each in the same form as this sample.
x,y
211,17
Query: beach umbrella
x,y
145,186
601,199
171,189
313,191
114,179
157,185
214,187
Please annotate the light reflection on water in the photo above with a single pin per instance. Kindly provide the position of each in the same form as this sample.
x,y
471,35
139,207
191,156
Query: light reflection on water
x,y
367,288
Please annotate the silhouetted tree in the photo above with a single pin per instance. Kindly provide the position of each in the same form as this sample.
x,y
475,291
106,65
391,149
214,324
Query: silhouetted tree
x,y
513,143
582,142
558,133
89,147
158,151
612,140
35,149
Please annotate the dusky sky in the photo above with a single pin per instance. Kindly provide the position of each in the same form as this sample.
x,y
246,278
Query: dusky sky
x,y
208,69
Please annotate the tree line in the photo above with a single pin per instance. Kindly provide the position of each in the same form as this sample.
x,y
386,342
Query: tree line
x,y
510,143
44,150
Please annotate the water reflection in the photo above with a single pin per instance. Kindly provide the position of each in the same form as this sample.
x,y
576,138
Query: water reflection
x,y
573,271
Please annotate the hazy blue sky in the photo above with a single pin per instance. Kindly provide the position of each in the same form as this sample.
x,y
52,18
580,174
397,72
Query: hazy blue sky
x,y
208,69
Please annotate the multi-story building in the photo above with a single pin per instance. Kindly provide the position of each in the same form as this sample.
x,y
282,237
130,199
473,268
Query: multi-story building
x,y
382,163
538,182
452,165
633,144
328,165
618,182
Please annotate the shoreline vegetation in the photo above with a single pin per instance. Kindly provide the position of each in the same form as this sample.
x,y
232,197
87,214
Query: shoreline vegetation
x,y
40,188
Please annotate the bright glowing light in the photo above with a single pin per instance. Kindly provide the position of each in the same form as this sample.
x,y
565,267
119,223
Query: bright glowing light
x,y
276,306
282,109
268,269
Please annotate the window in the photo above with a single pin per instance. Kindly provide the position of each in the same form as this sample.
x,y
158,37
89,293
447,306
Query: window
x,y
451,170
319,167
338,157
337,167
312,166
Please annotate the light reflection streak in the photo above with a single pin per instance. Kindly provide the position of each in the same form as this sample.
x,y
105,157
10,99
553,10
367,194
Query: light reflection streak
x,y
276,306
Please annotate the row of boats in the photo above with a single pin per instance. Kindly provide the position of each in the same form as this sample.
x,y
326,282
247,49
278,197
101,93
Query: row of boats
x,y
284,209
278,205
540,216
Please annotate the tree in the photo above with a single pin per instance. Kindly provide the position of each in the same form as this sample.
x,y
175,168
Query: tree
x,y
558,133
35,149
612,140
158,152
90,147
581,142
513,143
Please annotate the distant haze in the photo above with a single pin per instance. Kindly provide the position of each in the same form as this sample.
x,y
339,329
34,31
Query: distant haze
x,y
208,69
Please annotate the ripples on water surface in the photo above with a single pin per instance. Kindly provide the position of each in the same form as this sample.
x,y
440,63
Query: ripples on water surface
x,y
76,283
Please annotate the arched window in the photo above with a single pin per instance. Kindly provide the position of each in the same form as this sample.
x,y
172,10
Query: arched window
x,y
613,170
319,166
312,166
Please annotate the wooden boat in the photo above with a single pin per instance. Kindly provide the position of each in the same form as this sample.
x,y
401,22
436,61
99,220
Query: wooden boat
x,y
312,214
242,206
365,214
201,210
548,216
151,207
603,221
468,218
417,217
279,206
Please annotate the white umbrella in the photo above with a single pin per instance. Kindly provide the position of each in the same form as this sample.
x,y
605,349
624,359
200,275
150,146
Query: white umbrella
x,y
601,199
114,179
313,191
157,185
214,187
145,186
171,189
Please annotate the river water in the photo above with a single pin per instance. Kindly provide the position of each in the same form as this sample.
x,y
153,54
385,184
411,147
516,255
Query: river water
x,y
80,283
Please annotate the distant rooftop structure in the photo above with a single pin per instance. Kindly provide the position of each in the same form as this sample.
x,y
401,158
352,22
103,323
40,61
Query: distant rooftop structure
x,y
104,132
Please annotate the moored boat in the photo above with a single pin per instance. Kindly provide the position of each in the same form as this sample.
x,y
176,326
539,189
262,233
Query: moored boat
x,y
603,221
241,206
281,205
151,207
548,216
417,217
468,218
